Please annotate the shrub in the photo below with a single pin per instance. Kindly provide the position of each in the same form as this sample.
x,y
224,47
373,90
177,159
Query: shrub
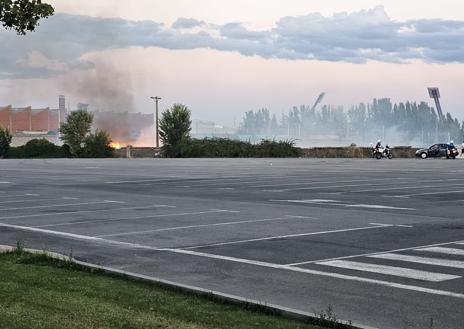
x,y
227,148
5,141
97,145
39,148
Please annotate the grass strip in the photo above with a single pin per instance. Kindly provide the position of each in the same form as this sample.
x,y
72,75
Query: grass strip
x,y
38,291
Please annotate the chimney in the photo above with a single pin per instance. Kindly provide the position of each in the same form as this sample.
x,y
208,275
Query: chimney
x,y
62,103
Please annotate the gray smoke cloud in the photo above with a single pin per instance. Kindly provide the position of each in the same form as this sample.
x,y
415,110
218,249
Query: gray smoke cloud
x,y
61,41
104,87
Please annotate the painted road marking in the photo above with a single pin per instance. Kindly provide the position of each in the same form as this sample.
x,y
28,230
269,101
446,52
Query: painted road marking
x,y
355,185
405,188
422,260
318,188
376,253
206,225
390,270
29,200
77,212
305,182
213,211
429,193
63,205
375,206
441,250
17,195
344,204
321,273
76,236
288,236
245,261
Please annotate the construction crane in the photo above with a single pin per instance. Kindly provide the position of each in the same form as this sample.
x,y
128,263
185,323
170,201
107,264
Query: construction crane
x,y
434,93
318,101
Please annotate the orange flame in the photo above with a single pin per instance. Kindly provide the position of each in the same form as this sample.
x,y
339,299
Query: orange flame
x,y
115,145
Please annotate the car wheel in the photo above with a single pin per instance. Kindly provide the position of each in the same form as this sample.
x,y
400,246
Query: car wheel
x,y
424,155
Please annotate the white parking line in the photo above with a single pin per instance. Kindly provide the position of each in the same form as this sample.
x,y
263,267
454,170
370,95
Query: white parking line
x,y
395,225
343,204
390,270
376,253
321,273
422,260
76,212
63,205
405,188
305,182
245,261
318,188
78,236
376,206
428,193
213,211
206,225
29,200
17,195
440,250
288,236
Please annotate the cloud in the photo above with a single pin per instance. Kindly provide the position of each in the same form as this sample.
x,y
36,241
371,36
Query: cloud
x,y
187,23
61,42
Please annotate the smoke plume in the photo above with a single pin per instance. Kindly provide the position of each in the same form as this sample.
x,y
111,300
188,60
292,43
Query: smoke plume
x,y
104,88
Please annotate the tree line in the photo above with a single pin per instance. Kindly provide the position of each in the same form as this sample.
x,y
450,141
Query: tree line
x,y
409,123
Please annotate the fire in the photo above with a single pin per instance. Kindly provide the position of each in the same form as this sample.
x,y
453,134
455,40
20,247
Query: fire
x,y
115,145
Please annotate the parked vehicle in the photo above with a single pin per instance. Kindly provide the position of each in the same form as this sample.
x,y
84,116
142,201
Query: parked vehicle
x,y
438,151
382,152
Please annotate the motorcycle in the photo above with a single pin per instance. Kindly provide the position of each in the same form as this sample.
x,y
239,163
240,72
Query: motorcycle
x,y
452,153
381,152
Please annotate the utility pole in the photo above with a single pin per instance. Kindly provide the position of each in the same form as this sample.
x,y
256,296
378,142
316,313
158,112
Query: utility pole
x,y
156,99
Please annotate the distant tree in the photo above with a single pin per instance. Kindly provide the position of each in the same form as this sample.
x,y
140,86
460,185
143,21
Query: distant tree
x,y
175,127
97,145
75,131
5,141
23,15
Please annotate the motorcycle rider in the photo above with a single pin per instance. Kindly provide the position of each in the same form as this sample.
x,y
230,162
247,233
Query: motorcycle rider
x,y
378,145
451,147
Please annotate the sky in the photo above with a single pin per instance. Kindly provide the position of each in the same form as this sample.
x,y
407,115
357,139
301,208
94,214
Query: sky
x,y
223,58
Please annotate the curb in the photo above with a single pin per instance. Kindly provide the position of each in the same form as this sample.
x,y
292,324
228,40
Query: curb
x,y
272,309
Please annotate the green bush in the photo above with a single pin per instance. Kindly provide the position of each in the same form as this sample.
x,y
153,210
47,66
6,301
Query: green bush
x,y
227,148
5,141
97,145
38,148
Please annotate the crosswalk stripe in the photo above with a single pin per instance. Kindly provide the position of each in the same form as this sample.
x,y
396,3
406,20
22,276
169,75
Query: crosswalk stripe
x,y
390,270
441,250
422,260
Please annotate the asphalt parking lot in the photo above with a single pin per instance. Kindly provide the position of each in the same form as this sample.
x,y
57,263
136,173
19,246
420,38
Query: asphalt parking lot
x,y
382,242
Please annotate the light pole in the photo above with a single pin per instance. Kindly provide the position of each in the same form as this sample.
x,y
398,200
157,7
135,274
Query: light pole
x,y
156,99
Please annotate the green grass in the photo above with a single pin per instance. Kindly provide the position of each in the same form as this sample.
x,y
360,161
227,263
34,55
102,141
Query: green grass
x,y
39,292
